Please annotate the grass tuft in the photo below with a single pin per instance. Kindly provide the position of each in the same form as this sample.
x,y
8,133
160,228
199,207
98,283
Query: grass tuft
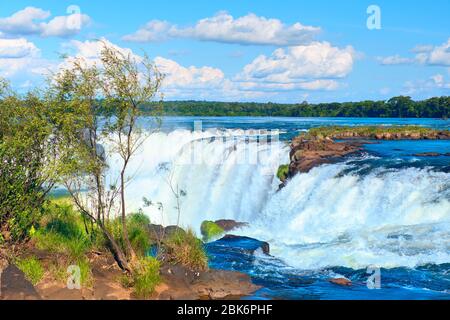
x,y
32,268
184,248
145,277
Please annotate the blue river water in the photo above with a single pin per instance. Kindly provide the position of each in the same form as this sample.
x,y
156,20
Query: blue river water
x,y
427,278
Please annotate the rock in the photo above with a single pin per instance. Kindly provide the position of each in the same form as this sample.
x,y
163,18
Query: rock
x,y
245,244
341,281
229,225
427,154
307,154
221,284
159,233
181,283
14,285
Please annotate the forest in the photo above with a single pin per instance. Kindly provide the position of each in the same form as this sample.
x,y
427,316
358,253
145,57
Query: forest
x,y
396,107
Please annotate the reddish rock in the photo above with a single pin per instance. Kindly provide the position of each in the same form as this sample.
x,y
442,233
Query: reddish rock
x,y
427,154
228,225
341,281
307,154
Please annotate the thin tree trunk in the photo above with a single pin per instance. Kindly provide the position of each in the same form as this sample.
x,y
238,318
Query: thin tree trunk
x,y
119,256
126,238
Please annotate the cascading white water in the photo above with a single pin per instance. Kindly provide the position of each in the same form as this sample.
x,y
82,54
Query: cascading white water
x,y
386,218
217,174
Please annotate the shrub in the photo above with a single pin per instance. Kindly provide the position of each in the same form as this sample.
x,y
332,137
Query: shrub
x,y
282,172
144,278
210,230
32,268
184,248
137,224
63,231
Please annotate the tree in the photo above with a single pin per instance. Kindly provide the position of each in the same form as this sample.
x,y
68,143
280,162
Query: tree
x,y
29,161
127,84
94,105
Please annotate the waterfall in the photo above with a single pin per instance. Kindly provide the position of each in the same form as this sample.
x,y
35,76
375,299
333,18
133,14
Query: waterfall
x,y
327,217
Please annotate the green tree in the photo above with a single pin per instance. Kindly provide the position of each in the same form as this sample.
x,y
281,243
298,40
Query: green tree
x,y
93,105
29,161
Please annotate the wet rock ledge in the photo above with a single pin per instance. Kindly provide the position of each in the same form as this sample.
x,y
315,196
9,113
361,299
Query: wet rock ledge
x,y
319,145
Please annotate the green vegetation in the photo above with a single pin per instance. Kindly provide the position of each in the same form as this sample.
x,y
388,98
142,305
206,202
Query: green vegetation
x,y
373,131
186,249
396,107
53,137
145,277
282,172
28,162
32,268
137,225
210,230
63,231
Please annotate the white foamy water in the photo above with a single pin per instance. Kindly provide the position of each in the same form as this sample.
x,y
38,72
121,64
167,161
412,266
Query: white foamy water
x,y
320,219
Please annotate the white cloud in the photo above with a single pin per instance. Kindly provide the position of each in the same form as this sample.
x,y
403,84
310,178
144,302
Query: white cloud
x,y
18,55
89,51
31,21
309,67
435,82
440,55
17,48
395,60
247,30
177,76
425,55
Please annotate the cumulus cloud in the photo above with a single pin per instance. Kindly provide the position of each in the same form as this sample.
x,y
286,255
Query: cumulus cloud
x,y
17,48
19,55
223,27
311,67
435,82
425,55
32,21
89,51
177,76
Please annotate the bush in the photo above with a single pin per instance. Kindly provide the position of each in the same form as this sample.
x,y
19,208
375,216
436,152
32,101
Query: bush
x,y
137,224
184,248
210,230
32,268
282,172
63,232
145,277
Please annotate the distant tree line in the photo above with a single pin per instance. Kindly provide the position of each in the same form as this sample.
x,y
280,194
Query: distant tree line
x,y
396,107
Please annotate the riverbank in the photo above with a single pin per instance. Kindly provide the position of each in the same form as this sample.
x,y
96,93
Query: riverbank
x,y
177,281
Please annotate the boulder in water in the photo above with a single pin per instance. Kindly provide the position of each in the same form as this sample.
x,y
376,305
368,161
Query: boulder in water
x,y
229,225
214,229
245,244
341,281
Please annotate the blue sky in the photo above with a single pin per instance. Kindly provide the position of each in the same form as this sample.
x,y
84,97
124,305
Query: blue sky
x,y
280,51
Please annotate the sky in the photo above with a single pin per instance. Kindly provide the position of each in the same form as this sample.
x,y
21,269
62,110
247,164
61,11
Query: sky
x,y
247,50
